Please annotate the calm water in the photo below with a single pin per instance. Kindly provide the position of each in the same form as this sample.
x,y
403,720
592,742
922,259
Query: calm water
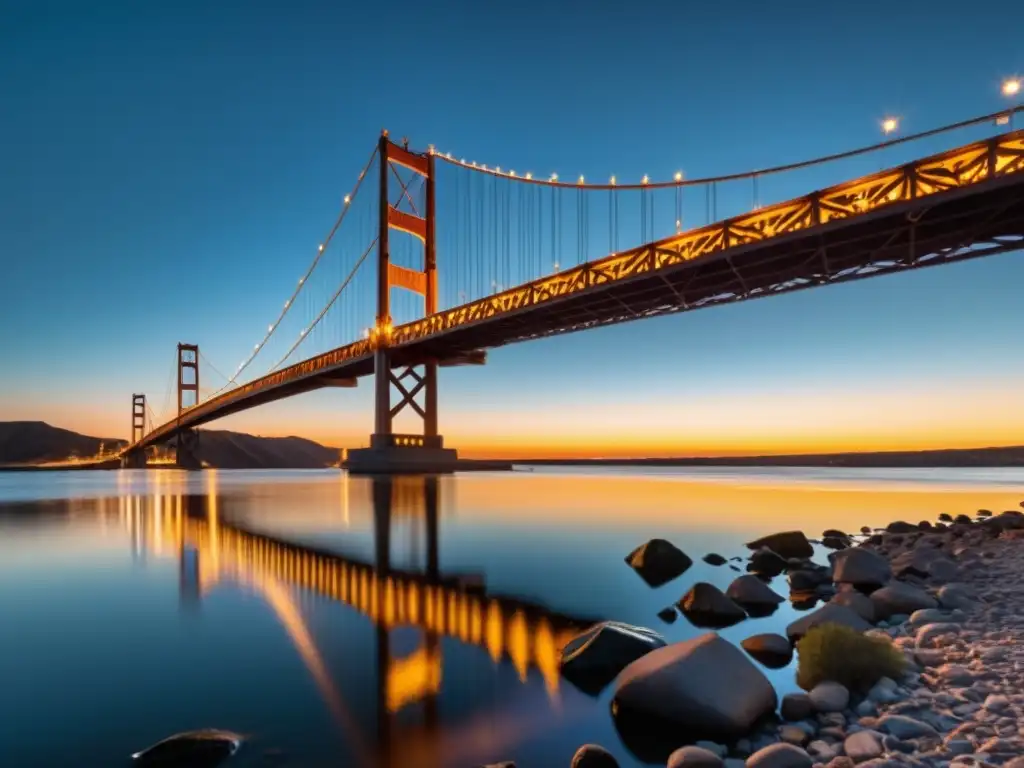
x,y
338,621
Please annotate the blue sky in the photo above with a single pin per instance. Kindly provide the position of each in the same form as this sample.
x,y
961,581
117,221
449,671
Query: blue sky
x,y
170,168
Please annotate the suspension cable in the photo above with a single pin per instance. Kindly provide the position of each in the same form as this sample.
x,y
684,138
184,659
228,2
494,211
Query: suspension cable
x,y
305,278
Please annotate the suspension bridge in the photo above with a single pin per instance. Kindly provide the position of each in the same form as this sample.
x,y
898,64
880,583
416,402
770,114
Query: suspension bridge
x,y
447,259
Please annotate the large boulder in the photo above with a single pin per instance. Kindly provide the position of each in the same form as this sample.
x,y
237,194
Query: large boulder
x,y
900,526
593,658
774,651
694,757
705,605
780,756
767,563
860,567
830,613
705,686
658,561
593,756
754,595
900,597
856,601
786,544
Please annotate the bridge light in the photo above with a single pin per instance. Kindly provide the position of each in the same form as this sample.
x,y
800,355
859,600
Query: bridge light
x,y
255,347
612,180
889,125
287,303
645,179
302,280
512,174
1011,86
580,179
348,199
270,328
554,177
529,175
679,176
498,169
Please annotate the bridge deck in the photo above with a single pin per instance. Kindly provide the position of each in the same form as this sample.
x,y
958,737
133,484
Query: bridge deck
x,y
961,204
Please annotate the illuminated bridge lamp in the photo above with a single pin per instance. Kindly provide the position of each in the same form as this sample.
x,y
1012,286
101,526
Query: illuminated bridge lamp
x,y
889,125
1011,90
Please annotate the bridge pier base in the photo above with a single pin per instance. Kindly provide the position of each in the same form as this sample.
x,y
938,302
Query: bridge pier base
x,y
188,450
133,459
402,454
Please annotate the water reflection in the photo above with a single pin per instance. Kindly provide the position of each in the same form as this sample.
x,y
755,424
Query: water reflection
x,y
212,549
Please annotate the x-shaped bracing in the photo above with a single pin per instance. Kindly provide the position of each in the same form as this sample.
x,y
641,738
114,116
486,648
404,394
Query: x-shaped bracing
x,y
408,395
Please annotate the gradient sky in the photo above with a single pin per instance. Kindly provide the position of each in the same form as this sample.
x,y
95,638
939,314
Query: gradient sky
x,y
167,167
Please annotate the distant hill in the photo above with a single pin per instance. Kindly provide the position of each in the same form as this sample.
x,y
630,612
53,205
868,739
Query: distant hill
x,y
25,442
34,442
235,450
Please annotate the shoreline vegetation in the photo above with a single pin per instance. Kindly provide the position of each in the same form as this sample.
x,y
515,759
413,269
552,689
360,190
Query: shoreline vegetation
x,y
914,659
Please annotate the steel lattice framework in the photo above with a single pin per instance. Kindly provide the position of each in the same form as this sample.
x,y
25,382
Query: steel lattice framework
x,y
964,203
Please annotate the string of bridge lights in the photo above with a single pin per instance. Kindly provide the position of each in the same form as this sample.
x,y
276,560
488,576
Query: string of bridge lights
x,y
257,348
1010,88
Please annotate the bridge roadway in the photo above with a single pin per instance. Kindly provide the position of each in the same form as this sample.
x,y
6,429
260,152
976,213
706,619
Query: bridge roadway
x,y
961,204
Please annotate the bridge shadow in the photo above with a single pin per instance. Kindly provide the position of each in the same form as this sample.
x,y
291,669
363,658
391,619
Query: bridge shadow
x,y
443,611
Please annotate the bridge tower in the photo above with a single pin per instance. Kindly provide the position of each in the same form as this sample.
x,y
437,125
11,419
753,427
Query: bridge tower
x,y
136,458
414,380
188,381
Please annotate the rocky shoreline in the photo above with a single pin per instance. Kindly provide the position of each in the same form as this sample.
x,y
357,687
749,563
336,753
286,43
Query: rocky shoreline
x,y
945,600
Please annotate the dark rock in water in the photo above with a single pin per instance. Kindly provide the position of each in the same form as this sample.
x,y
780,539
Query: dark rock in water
x,y
900,526
865,530
984,513
946,517
711,558
962,519
924,525
736,559
593,756
754,595
833,532
803,601
593,658
836,542
941,526
785,544
766,562
774,651
668,615
858,602
735,568
796,706
706,606
658,562
805,581
204,748
705,686
830,613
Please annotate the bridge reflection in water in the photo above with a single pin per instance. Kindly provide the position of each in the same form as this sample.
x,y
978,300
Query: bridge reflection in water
x,y
211,549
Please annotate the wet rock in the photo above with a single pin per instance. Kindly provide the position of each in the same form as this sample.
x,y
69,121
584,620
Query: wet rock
x,y
856,601
668,615
805,581
796,706
956,596
713,558
774,651
984,513
593,756
204,748
903,727
830,613
836,542
593,658
943,569
900,597
840,762
705,685
780,756
963,520
829,697
658,562
785,544
900,526
753,594
705,605
791,734
766,563
860,567
694,757
931,635
861,746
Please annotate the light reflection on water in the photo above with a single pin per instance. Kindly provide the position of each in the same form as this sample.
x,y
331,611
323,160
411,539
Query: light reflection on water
x,y
345,620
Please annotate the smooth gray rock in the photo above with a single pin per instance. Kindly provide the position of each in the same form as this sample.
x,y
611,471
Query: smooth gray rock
x,y
929,616
658,561
903,727
943,569
856,601
928,635
780,756
705,605
830,613
706,685
898,597
786,544
593,756
861,746
774,651
750,592
861,567
829,697
956,596
593,658
796,706
694,757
